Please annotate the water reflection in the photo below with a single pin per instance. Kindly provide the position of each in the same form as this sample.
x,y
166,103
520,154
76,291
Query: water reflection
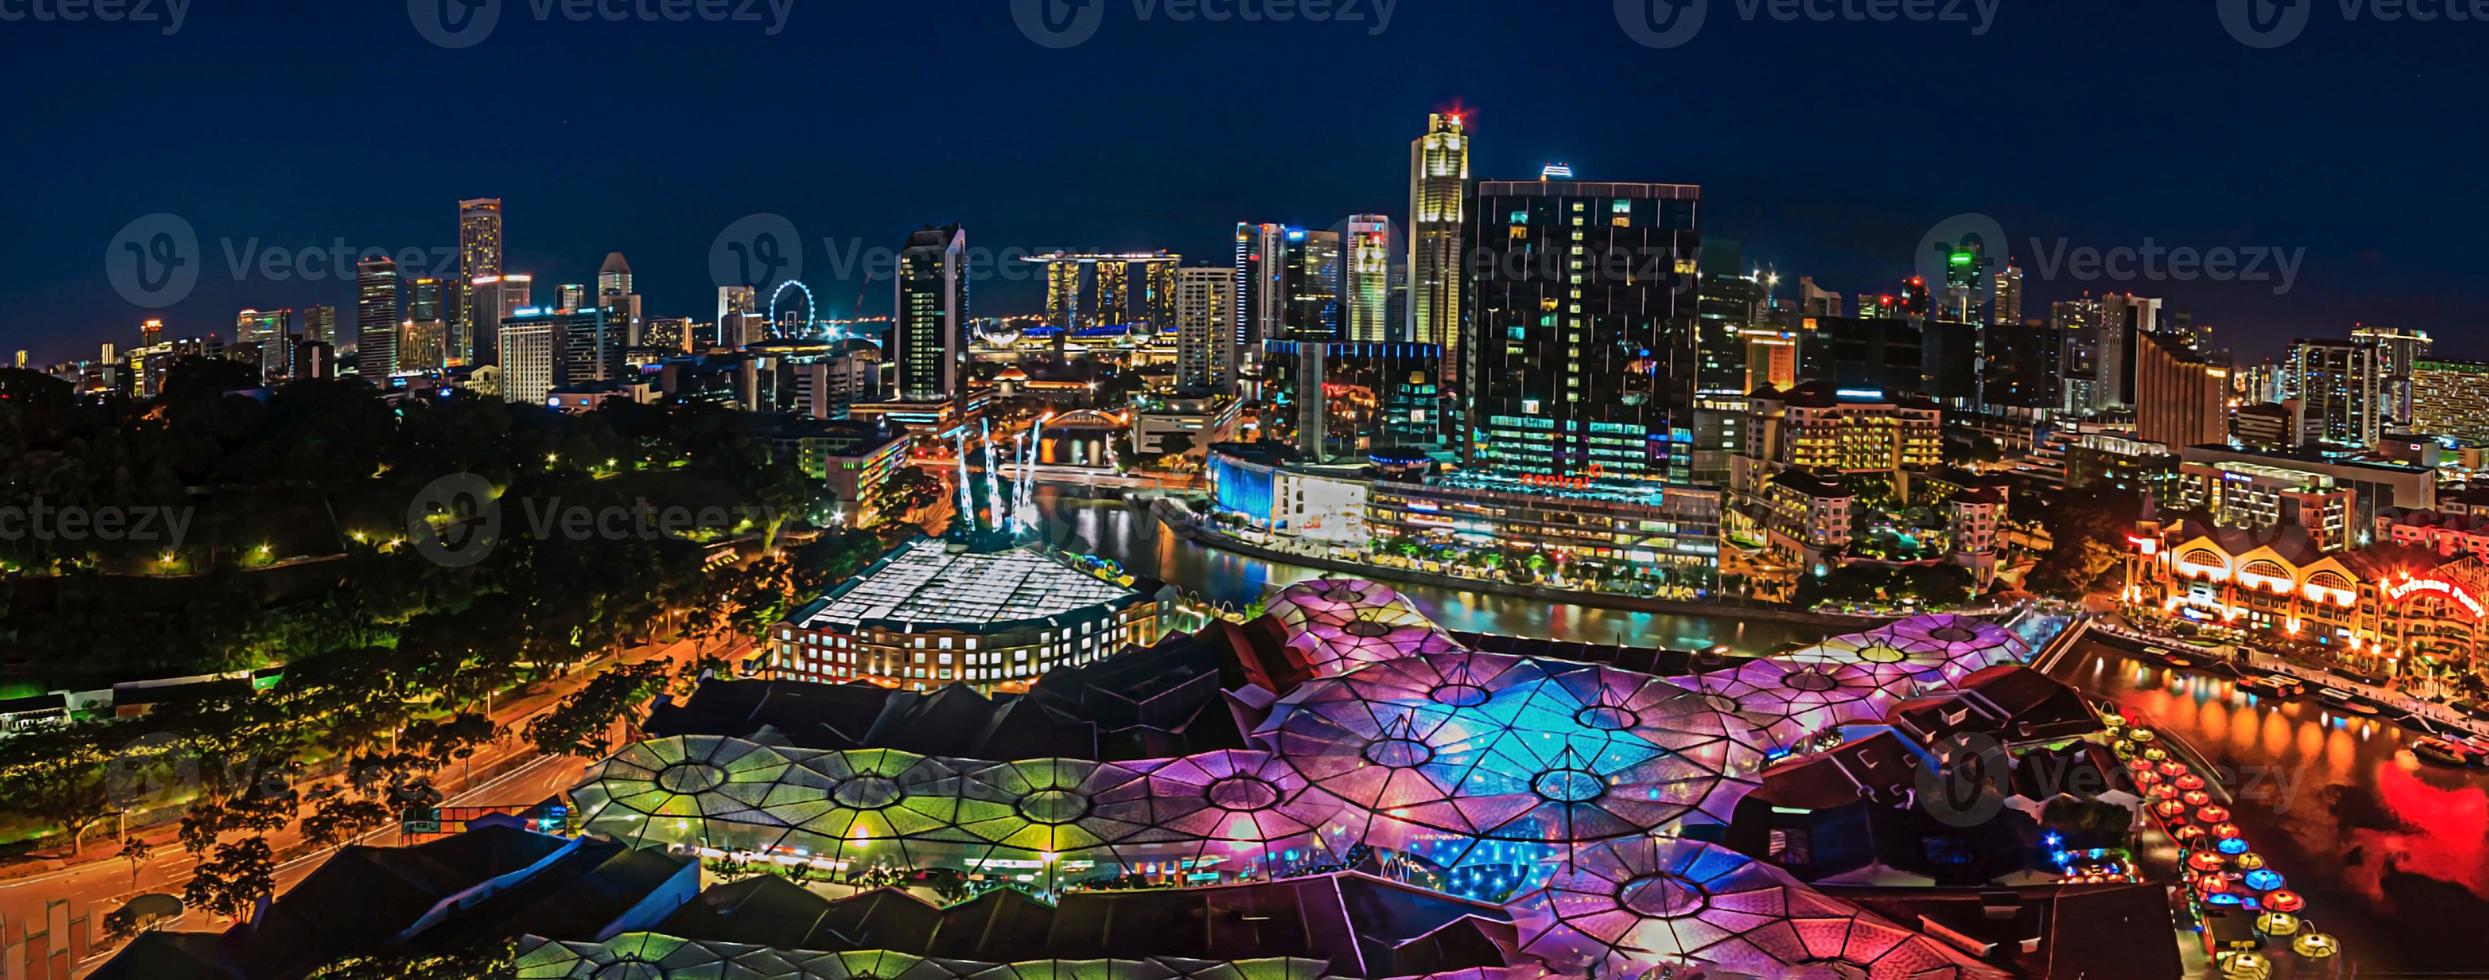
x,y
2391,853
1129,535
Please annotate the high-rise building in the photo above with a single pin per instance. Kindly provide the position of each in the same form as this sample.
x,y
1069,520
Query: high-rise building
x,y
1438,184
738,317
265,339
493,301
479,238
1365,279
930,314
571,296
614,277
319,324
1114,295
21,359
151,333
1331,399
2450,399
423,345
1063,294
1966,263
1205,302
2077,322
1579,343
1159,293
530,357
1312,288
2399,352
2341,388
1261,291
1731,302
2007,308
376,319
426,341
2181,397
1814,300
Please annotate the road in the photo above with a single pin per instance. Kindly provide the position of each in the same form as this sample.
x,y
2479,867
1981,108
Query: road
x,y
506,772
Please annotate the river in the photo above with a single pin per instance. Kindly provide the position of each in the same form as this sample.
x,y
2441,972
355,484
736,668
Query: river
x,y
1131,536
2391,853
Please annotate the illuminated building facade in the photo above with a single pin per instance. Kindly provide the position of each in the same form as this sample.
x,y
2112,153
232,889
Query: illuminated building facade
x,y
2341,386
2245,487
929,332
2451,399
933,613
376,319
1816,427
263,338
1579,356
1205,307
492,300
2399,353
2181,397
1312,285
1337,399
1114,295
1438,183
1365,280
2395,608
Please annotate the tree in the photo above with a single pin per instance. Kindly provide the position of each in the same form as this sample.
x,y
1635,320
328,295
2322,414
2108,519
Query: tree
x,y
578,726
232,884
137,852
61,776
2088,527
493,962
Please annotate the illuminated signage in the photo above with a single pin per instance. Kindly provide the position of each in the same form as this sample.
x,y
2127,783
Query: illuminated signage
x,y
2410,587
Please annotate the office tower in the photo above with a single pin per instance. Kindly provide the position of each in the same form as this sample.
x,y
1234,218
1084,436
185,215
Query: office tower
x,y
151,333
2340,386
1914,298
1331,399
1966,264
930,314
110,352
376,319
1731,302
319,324
1364,287
428,340
423,345
21,359
495,299
1261,291
1814,300
1771,358
530,346
2450,399
571,296
2077,323
2023,365
738,317
1205,302
613,278
2007,307
1579,327
2181,396
264,338
427,300
1159,299
1312,286
479,238
2399,352
669,333
1872,357
1438,184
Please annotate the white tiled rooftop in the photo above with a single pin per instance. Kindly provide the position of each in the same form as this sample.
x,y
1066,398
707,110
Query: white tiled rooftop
x,y
928,583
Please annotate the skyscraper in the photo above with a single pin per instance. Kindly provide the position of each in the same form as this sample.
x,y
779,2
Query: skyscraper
x,y
376,319
1732,301
2399,353
263,339
2077,322
1159,292
1312,286
2341,389
319,324
930,318
2451,399
150,333
1205,301
479,237
1261,291
495,298
1579,327
571,296
1365,279
530,355
614,277
2008,303
2181,397
1438,184
736,314
1063,294
1114,295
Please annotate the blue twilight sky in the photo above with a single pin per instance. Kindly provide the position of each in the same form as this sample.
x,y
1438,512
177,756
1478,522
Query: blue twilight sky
x,y
1829,148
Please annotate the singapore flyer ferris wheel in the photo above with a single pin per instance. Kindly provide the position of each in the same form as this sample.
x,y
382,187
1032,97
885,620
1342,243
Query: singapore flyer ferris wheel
x,y
811,326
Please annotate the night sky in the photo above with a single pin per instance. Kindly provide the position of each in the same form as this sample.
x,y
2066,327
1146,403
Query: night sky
x,y
1828,149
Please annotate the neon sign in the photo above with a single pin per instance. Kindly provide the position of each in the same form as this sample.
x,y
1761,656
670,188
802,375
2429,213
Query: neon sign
x,y
2409,587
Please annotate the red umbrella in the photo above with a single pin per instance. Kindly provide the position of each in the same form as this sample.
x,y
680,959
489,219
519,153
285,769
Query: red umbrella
x,y
2196,797
2284,900
2213,815
2205,861
2190,781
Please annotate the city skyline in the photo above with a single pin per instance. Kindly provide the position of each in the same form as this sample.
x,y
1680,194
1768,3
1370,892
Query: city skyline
x,y
1847,216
